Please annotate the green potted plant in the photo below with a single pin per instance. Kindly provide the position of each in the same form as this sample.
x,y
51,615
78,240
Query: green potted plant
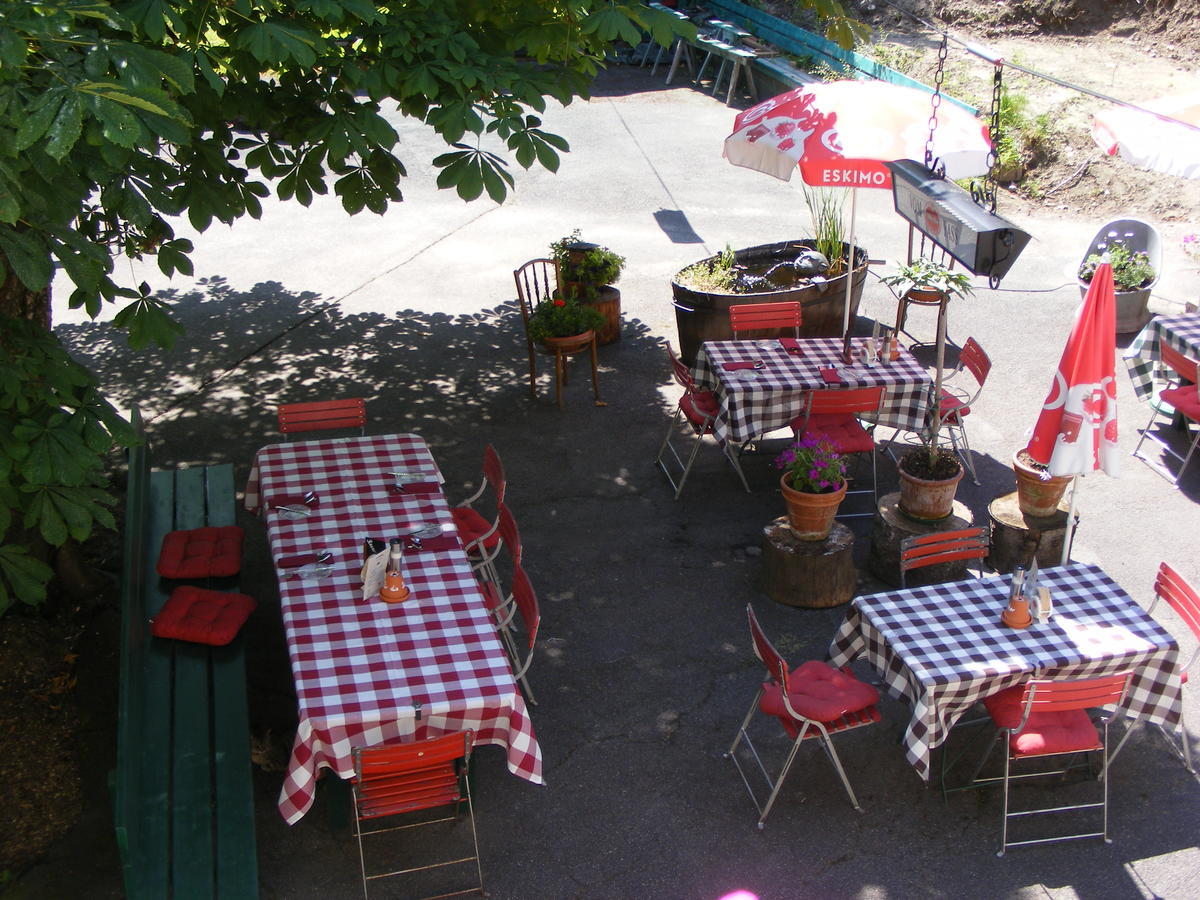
x,y
1134,277
561,319
813,485
587,273
925,281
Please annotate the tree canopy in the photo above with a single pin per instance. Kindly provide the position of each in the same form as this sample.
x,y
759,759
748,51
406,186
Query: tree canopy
x,y
118,117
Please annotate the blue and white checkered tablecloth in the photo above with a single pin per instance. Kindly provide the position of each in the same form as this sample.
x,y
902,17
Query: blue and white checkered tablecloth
x,y
1181,332
943,647
755,401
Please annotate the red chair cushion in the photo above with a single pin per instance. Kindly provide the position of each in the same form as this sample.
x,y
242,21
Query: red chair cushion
x,y
820,692
953,408
471,525
202,616
843,431
1067,731
699,405
1186,399
201,553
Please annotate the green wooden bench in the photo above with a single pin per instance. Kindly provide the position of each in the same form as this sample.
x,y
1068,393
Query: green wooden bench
x,y
182,790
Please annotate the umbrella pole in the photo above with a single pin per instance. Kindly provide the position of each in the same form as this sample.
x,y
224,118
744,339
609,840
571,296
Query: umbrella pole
x,y
850,263
1070,535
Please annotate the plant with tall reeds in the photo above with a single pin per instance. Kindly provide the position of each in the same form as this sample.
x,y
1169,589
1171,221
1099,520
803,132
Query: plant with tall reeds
x,y
829,226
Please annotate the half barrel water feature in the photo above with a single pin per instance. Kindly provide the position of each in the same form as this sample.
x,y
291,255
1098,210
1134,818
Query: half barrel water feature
x,y
704,315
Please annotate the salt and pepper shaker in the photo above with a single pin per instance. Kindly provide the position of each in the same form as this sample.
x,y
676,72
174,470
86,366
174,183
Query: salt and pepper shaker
x,y
1018,583
1030,588
393,590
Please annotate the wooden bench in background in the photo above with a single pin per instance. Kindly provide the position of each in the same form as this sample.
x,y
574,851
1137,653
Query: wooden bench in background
x,y
182,790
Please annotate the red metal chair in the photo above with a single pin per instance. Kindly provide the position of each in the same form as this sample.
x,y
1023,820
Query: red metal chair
x,y
530,613
400,779
1185,600
1180,395
501,603
322,415
956,401
814,700
1044,718
764,319
537,280
832,416
480,535
699,409
941,547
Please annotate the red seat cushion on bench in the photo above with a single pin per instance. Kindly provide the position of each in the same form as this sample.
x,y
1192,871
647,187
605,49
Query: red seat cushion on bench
x,y
201,553
202,616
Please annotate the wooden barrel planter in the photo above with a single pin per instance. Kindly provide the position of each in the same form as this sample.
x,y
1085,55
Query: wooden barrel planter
x,y
704,316
608,303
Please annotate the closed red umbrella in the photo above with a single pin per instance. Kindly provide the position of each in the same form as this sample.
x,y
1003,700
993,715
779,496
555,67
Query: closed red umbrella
x,y
1076,432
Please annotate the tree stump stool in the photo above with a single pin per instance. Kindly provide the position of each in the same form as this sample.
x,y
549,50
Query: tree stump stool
x,y
608,303
891,526
1016,536
810,574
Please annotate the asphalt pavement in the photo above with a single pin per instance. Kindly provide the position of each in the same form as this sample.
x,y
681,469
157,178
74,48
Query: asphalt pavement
x,y
643,667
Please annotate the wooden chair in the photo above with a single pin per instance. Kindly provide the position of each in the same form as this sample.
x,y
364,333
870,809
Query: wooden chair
x,y
323,415
698,408
536,281
1169,585
399,779
1180,396
814,700
941,547
757,317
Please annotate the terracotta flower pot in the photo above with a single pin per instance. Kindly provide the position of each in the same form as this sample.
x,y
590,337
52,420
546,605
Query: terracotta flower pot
x,y
811,515
1037,496
927,500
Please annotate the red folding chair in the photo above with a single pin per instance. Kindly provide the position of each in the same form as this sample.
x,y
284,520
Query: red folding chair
x,y
1044,718
814,700
322,415
765,319
401,779
957,401
699,409
1169,585
479,534
924,550
1179,396
833,416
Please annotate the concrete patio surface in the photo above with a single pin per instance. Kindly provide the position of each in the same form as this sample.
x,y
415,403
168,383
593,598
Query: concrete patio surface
x,y
644,667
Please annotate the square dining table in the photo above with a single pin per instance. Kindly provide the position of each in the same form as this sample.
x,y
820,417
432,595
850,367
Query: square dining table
x,y
942,648
755,401
1182,332
369,672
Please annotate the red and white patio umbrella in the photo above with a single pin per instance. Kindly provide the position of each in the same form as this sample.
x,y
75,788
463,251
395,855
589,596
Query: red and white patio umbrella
x,y
1166,139
840,134
1076,432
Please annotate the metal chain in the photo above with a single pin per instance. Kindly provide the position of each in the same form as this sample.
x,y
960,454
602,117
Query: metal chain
x,y
935,101
989,181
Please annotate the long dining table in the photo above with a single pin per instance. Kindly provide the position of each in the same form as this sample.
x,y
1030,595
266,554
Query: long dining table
x,y
754,401
941,648
1181,332
368,672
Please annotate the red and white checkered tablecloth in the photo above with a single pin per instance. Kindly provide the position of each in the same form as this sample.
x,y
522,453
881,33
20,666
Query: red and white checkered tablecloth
x,y
755,401
369,672
942,647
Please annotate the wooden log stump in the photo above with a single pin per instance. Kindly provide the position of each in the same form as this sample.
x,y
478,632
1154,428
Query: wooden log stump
x,y
1015,536
891,526
810,574
609,305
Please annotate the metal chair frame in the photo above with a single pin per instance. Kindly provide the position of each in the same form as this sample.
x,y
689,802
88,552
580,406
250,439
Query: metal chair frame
x,y
396,779
1050,696
525,603
477,550
1169,585
851,402
762,316
322,415
1183,370
533,286
940,547
700,425
777,673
